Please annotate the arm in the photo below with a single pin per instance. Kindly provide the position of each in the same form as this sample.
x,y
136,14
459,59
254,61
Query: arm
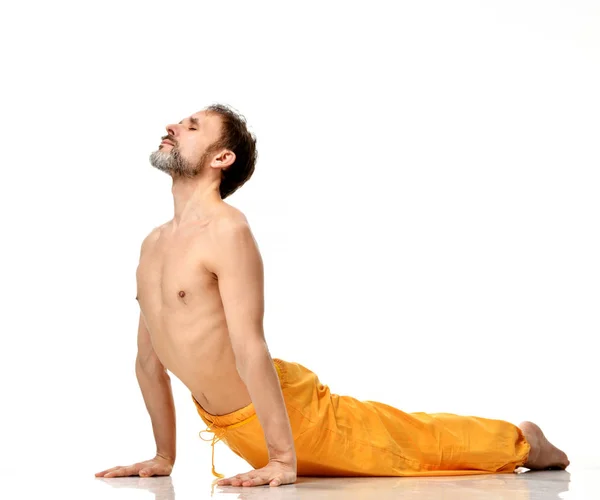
x,y
155,384
239,270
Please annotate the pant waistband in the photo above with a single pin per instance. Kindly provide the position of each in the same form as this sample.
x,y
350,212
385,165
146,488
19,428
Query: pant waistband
x,y
243,414
219,424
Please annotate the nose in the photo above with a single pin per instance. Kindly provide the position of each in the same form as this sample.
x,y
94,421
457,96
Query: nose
x,y
172,129
172,132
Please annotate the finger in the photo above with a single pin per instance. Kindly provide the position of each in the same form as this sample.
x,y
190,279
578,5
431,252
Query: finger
x,y
276,482
226,482
150,471
285,478
239,480
121,471
256,481
147,471
233,481
113,471
98,474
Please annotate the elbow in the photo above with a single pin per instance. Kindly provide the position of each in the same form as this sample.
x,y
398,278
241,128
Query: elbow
x,y
250,355
149,368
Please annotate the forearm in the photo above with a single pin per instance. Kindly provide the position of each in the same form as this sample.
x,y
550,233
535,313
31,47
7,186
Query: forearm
x,y
158,397
256,369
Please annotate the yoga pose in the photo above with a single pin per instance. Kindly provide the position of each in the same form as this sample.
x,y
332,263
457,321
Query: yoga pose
x,y
200,293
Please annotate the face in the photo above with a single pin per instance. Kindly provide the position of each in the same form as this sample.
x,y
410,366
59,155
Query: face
x,y
185,150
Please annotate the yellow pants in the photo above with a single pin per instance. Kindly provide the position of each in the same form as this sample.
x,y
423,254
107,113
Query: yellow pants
x,y
341,436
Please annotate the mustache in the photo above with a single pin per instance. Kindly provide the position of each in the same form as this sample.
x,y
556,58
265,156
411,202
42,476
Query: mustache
x,y
168,138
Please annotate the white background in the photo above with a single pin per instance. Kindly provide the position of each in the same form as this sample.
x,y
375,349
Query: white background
x,y
425,201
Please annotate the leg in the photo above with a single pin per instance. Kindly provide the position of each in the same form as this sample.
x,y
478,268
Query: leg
x,y
543,454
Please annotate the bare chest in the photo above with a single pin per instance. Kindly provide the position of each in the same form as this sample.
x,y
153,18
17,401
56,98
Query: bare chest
x,y
171,276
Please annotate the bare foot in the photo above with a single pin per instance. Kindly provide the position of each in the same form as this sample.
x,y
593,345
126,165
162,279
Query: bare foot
x,y
543,454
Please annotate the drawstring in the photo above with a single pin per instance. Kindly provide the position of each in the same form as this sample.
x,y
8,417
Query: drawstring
x,y
215,439
217,430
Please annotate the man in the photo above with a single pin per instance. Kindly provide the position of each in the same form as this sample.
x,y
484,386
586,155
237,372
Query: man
x,y
200,291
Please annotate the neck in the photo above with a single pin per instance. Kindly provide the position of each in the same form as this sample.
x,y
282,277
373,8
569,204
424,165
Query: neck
x,y
195,198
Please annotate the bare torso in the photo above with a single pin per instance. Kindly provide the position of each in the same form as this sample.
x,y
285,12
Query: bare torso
x,y
181,305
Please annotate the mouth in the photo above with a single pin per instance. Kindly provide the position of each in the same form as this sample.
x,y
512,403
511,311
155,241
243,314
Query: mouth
x,y
167,142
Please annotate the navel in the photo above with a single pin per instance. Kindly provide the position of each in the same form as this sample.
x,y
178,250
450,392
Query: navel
x,y
182,294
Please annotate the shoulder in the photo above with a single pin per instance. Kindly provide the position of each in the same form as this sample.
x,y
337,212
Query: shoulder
x,y
233,243
230,222
151,238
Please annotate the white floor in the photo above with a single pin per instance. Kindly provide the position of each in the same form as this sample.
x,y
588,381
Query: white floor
x,y
580,482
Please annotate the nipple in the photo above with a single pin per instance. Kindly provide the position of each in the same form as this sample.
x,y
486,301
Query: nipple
x,y
182,294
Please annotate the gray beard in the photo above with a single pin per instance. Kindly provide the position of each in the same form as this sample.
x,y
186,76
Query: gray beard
x,y
172,163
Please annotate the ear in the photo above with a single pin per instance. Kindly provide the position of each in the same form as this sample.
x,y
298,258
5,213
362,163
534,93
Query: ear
x,y
223,160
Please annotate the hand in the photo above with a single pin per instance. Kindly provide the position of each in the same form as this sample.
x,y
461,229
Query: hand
x,y
273,474
158,466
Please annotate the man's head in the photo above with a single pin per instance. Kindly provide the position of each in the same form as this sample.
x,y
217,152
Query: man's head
x,y
213,142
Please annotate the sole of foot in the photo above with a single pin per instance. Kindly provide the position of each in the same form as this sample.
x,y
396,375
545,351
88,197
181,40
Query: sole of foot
x,y
543,454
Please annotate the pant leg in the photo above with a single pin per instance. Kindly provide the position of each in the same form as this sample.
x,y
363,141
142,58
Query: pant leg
x,y
342,436
381,440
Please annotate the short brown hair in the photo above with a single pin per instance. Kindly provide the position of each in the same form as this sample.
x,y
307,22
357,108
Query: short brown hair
x,y
235,137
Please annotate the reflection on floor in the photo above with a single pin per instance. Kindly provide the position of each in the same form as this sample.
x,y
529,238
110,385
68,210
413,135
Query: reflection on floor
x,y
546,485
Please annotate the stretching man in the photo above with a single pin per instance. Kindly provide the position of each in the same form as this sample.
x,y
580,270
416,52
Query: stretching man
x,y
200,292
